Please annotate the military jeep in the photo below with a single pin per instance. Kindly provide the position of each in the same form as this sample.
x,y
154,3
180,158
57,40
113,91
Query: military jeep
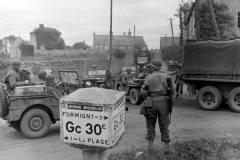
x,y
30,109
96,78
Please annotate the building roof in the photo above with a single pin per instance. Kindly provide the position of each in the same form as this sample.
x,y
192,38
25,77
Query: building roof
x,y
168,41
119,40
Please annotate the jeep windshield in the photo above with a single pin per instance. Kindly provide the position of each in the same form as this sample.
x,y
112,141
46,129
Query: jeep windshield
x,y
69,77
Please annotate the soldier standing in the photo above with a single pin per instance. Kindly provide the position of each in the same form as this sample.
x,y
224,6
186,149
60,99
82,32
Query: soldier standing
x,y
179,82
156,89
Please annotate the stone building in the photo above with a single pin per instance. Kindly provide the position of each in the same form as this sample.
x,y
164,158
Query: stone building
x,y
125,42
234,11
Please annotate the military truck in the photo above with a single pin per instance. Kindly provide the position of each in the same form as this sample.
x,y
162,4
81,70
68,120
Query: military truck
x,y
212,70
30,109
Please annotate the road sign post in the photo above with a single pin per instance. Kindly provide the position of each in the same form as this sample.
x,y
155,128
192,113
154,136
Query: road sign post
x,y
92,119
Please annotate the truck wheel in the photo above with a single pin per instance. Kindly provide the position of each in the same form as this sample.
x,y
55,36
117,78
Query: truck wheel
x,y
35,123
234,99
209,98
134,96
3,103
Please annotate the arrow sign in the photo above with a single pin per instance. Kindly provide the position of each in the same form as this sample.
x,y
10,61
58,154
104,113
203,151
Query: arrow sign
x,y
66,138
105,117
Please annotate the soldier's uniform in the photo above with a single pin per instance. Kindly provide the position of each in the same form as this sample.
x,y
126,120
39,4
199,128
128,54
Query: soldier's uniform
x,y
156,87
179,82
15,76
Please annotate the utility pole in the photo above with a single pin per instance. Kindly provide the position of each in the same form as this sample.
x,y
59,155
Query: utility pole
x,y
213,18
110,44
134,46
172,30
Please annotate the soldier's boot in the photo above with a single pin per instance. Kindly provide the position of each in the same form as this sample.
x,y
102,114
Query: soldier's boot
x,y
166,148
150,145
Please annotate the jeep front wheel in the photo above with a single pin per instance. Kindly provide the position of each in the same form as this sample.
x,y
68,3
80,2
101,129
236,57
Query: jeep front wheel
x,y
35,123
134,96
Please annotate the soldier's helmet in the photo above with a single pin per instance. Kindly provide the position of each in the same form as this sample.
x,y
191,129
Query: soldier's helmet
x,y
42,74
156,64
50,78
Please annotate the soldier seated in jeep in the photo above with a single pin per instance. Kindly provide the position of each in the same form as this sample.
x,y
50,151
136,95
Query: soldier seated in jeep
x,y
16,76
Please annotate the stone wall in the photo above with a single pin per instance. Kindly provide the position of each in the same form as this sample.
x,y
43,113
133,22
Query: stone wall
x,y
80,65
68,52
80,62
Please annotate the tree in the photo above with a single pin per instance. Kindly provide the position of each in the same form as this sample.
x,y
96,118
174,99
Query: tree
x,y
49,38
60,44
118,53
80,45
68,47
170,53
205,26
26,49
182,11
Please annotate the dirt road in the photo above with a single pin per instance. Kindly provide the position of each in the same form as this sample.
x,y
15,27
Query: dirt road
x,y
188,122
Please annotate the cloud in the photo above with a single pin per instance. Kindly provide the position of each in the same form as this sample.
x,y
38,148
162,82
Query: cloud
x,y
78,19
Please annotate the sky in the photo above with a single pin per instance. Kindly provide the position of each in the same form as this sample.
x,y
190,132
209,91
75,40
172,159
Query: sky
x,y
78,19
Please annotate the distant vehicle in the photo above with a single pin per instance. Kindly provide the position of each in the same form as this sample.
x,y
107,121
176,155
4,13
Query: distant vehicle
x,y
133,89
132,85
30,109
212,70
96,78
172,65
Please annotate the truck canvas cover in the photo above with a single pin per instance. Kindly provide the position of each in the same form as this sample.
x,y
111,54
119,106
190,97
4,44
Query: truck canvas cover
x,y
212,57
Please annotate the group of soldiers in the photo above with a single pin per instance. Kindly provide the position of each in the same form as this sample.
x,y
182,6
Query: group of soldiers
x,y
157,92
16,76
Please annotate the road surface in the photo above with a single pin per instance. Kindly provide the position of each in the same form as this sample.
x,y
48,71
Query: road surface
x,y
188,122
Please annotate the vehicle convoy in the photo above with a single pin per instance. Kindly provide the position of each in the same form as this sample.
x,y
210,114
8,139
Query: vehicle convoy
x,y
138,73
30,109
212,70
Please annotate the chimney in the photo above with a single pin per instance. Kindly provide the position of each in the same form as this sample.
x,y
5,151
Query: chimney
x,y
41,25
124,33
129,33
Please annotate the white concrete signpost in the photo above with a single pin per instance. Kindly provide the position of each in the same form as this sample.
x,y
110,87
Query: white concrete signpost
x,y
92,119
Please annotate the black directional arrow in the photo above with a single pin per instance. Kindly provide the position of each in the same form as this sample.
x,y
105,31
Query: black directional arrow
x,y
66,138
105,117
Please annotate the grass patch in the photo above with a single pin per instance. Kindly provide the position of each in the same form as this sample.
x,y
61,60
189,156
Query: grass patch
x,y
202,149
